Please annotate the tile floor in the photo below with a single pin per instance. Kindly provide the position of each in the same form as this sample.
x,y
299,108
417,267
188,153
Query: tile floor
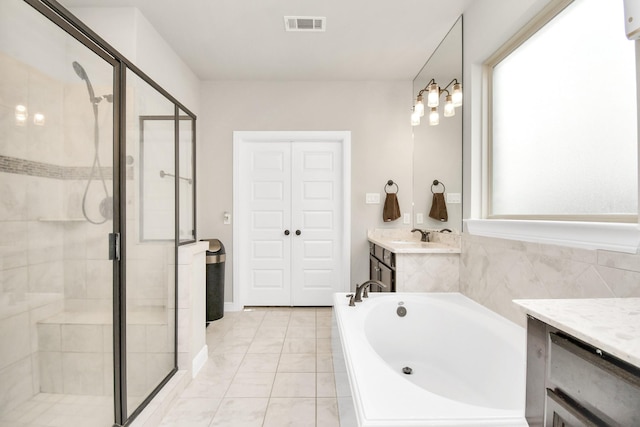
x,y
267,367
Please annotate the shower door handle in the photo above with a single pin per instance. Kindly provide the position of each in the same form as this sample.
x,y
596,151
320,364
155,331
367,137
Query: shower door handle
x,y
114,246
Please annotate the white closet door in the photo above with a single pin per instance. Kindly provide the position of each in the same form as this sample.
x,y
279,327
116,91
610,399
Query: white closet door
x,y
316,213
291,222
266,215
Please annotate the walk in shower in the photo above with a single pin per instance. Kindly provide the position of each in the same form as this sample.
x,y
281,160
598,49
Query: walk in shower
x,y
88,224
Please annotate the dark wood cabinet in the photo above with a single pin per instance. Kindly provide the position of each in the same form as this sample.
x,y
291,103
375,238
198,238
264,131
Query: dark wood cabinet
x,y
382,267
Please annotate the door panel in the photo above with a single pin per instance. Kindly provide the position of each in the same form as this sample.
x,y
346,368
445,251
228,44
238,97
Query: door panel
x,y
316,212
266,212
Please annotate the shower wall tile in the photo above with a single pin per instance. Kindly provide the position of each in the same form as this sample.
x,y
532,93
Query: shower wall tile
x,y
12,330
107,338
496,271
13,252
82,338
75,245
83,373
44,197
51,372
72,201
99,279
15,384
13,197
97,240
49,336
14,280
46,278
75,279
148,279
45,242
107,361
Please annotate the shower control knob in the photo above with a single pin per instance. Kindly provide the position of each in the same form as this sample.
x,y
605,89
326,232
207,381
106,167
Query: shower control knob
x,y
286,232
298,232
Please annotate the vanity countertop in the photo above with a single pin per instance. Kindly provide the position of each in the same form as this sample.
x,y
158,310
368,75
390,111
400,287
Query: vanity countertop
x,y
400,246
610,324
403,241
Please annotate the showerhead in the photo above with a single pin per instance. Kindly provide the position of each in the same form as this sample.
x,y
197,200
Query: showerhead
x,y
83,75
80,71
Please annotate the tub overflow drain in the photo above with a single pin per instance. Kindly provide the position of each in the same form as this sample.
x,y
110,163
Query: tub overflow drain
x,y
401,311
407,370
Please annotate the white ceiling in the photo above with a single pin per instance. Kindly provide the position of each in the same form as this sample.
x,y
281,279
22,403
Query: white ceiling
x,y
245,39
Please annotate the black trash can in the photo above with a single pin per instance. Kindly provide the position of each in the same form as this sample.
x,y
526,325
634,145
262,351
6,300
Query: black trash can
x,y
215,280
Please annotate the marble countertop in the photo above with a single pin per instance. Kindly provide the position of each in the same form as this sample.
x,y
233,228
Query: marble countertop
x,y
402,241
610,324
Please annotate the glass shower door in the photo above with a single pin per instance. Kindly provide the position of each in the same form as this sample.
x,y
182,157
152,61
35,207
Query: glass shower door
x,y
56,214
151,240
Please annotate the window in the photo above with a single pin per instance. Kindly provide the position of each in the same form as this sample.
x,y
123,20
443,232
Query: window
x,y
563,138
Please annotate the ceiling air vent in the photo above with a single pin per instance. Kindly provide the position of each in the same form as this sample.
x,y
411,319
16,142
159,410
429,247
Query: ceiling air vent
x,y
305,23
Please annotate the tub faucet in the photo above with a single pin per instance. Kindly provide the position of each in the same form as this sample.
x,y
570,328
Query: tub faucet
x,y
361,290
425,234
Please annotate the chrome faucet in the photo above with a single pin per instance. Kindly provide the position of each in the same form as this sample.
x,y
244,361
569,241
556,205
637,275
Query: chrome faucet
x,y
361,290
425,234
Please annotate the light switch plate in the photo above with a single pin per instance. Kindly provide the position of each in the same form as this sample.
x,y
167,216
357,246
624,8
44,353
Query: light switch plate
x,y
454,198
419,218
372,199
406,218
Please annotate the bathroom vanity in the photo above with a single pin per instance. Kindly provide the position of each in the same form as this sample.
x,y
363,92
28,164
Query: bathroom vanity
x,y
583,362
401,261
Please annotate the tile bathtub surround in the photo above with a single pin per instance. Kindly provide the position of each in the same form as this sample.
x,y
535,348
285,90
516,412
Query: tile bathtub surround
x,y
266,367
496,271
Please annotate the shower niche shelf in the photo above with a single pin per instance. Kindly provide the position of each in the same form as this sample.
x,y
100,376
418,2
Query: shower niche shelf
x,y
60,219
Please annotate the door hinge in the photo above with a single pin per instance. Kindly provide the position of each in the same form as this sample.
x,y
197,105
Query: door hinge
x,y
114,246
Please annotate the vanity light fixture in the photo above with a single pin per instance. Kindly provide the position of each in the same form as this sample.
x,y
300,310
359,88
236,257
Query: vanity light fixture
x,y
452,100
434,116
419,107
415,116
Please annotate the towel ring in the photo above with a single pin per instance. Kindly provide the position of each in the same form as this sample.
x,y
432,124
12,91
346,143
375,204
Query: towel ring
x,y
389,184
435,184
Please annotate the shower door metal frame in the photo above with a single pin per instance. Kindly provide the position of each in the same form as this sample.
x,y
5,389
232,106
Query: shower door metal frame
x,y
61,17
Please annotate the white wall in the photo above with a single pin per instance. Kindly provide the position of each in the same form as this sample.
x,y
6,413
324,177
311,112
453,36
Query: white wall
x,y
131,34
376,113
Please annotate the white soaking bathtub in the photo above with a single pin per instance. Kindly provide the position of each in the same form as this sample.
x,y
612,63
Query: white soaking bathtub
x,y
467,363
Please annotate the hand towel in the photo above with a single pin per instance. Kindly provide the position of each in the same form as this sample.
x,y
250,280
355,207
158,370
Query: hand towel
x,y
391,210
439,208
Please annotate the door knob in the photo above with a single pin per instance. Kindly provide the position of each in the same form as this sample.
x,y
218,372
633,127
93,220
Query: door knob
x,y
298,232
286,232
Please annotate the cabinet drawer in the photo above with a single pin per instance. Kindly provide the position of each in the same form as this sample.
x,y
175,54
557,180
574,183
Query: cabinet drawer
x,y
605,386
563,412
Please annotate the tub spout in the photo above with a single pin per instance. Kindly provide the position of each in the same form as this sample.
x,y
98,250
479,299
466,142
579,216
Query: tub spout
x,y
361,290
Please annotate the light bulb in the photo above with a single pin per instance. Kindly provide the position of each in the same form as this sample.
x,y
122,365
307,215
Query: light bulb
x,y
415,118
21,115
449,109
434,116
419,107
433,99
457,95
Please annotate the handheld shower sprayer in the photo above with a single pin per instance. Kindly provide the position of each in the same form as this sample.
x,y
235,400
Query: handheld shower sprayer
x,y
79,69
106,205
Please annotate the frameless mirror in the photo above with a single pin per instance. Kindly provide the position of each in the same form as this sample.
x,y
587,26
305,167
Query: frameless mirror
x,y
437,149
